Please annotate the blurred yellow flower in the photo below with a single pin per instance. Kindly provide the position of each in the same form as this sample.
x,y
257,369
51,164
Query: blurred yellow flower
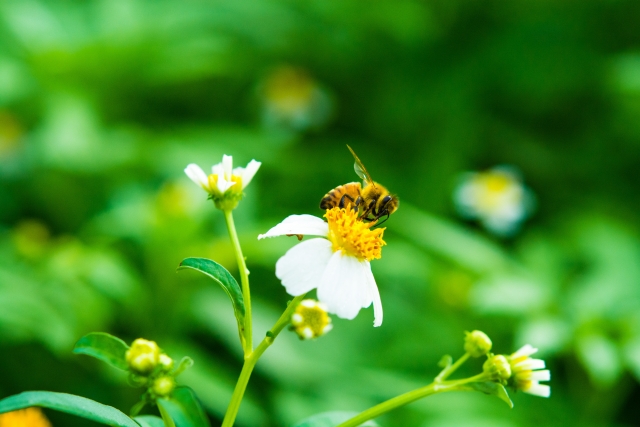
x,y
29,417
292,98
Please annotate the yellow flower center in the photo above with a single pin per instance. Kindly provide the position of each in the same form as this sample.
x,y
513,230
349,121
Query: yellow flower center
x,y
29,417
352,236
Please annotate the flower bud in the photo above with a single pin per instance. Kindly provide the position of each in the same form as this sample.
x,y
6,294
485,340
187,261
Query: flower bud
x,y
498,368
163,386
143,356
166,362
477,343
310,320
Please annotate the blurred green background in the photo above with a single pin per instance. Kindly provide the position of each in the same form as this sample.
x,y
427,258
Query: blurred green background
x,y
104,103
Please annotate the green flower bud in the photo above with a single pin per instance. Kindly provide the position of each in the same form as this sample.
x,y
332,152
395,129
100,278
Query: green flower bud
x,y
497,368
143,356
310,320
477,343
166,362
163,386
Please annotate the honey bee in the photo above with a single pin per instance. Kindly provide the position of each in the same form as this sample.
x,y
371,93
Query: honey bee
x,y
370,199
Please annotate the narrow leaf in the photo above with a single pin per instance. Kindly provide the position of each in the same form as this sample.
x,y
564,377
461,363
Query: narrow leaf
x,y
184,408
75,405
105,347
332,419
149,421
494,389
224,279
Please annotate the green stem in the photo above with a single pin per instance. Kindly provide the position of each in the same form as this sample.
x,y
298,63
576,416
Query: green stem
x,y
244,279
451,368
168,421
251,360
412,396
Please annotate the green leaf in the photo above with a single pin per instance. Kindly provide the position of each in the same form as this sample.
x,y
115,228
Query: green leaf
x,y
75,405
224,279
332,419
149,421
494,389
184,408
105,347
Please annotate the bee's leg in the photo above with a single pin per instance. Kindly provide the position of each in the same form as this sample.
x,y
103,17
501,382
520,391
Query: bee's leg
x,y
341,204
382,222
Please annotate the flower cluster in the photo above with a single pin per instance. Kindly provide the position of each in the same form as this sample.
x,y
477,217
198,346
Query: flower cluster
x,y
151,367
225,183
497,198
337,264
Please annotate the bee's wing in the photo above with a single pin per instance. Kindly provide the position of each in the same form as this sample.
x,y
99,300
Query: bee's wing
x,y
361,171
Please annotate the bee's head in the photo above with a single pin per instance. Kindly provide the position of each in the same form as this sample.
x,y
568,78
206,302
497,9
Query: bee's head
x,y
388,204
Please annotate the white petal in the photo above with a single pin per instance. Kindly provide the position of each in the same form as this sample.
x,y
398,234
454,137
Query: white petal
x,y
544,375
249,172
223,185
344,286
301,268
526,350
217,169
299,224
197,175
541,390
375,294
227,166
529,365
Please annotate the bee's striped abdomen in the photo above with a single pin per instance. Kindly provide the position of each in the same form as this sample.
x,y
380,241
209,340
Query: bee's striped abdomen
x,y
351,192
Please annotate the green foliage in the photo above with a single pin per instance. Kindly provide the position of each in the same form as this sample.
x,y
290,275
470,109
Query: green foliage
x,y
149,421
104,103
75,405
331,419
222,277
184,408
493,389
105,347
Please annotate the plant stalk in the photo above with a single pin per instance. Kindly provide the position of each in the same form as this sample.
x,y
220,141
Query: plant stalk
x,y
244,280
251,360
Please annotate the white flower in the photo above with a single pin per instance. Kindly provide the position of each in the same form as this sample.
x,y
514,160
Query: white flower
x,y
496,197
526,373
224,184
337,265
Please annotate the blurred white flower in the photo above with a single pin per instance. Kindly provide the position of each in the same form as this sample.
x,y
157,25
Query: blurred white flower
x,y
291,98
337,265
497,198
526,373
225,183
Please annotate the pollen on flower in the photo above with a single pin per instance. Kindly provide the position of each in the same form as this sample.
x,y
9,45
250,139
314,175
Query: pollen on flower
x,y
352,236
310,320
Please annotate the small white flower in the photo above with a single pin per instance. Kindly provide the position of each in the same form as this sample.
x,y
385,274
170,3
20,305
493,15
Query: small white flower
x,y
224,184
527,372
496,197
310,319
337,265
